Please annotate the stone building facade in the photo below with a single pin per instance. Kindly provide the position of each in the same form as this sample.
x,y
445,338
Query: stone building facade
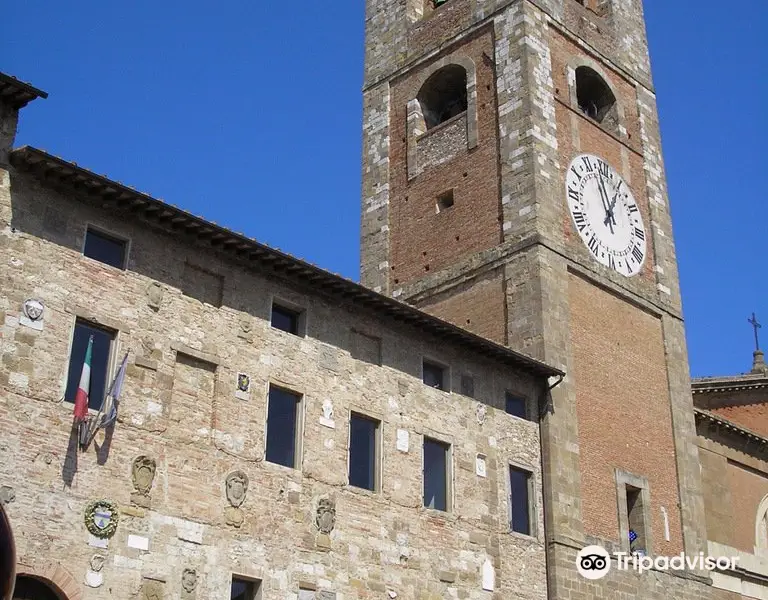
x,y
185,472
502,391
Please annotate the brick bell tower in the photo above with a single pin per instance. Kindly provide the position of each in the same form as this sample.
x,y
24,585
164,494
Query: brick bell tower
x,y
513,183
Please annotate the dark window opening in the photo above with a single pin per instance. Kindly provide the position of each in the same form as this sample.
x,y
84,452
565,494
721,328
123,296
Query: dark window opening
x,y
443,95
286,319
636,520
436,474
245,589
105,248
595,98
433,375
282,427
445,201
519,500
516,406
363,460
100,353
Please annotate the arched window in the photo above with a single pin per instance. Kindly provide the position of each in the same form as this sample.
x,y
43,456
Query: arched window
x,y
595,98
443,95
761,528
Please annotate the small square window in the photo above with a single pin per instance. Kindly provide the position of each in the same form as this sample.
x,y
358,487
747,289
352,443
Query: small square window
x,y
286,319
445,201
516,406
105,248
434,375
363,452
437,476
519,500
283,424
245,589
101,352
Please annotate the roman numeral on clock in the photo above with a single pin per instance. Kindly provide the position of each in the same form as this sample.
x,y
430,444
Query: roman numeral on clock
x,y
639,233
580,220
573,194
637,254
602,168
575,172
632,208
611,262
593,244
587,164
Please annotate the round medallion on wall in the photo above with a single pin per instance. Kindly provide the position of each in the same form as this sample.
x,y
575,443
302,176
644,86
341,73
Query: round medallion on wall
x,y
101,518
606,215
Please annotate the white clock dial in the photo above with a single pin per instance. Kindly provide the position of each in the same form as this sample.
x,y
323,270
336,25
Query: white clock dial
x,y
605,214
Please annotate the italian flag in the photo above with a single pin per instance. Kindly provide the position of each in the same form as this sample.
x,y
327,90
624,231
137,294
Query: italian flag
x,y
81,397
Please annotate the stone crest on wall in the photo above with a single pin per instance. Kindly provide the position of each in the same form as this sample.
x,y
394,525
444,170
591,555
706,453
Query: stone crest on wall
x,y
236,487
325,515
189,580
142,475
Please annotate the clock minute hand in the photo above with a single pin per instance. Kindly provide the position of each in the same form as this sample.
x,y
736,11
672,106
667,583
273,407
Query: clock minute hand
x,y
604,198
611,217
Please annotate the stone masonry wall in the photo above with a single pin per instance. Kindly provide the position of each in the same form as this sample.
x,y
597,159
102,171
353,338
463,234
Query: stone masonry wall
x,y
179,407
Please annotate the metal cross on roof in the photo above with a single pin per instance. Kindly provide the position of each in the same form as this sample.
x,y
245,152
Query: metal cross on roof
x,y
755,326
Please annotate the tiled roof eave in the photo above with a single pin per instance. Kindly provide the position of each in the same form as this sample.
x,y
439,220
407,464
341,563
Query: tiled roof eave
x,y
60,173
16,93
702,414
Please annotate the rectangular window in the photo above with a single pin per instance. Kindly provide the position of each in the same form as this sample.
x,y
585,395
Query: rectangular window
x,y
245,589
437,490
105,248
101,351
519,500
636,520
283,427
433,375
286,319
363,452
516,406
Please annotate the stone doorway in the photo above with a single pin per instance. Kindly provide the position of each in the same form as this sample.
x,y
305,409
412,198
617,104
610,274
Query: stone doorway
x,y
29,588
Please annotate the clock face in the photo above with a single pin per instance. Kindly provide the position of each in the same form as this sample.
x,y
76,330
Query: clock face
x,y
605,214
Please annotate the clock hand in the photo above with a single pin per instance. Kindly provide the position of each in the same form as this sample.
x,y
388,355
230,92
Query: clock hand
x,y
611,206
604,198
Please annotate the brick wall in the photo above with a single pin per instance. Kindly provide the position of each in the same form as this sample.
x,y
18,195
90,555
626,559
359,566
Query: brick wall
x,y
622,401
424,240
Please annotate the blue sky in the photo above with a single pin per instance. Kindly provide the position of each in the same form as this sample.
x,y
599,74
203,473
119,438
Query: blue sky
x,y
249,113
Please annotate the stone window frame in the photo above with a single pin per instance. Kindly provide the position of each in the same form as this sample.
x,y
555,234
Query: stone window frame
x,y
450,475
624,479
301,410
103,323
447,375
526,398
533,501
301,310
379,473
89,225
248,578
415,118
570,75
761,528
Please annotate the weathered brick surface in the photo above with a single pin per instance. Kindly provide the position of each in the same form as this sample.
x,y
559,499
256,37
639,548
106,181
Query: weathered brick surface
x,y
619,361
